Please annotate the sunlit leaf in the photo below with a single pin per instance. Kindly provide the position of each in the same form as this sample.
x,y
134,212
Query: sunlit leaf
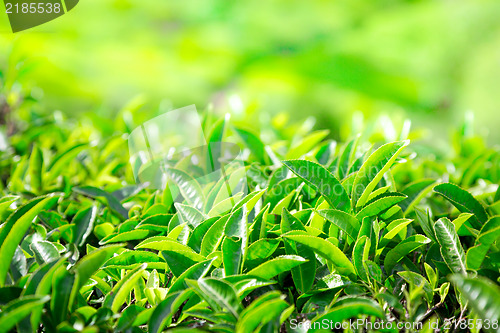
x,y
328,251
277,265
321,180
372,171
16,226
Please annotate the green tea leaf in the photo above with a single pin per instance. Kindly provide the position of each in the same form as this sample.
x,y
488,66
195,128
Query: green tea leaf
x,y
401,250
190,215
379,204
301,275
16,226
94,192
213,236
328,251
490,233
464,201
163,312
18,309
64,289
35,169
62,160
497,195
253,142
276,266
128,317
44,251
179,261
232,256
424,220
199,233
346,157
221,293
126,236
115,299
460,220
188,186
256,316
84,223
372,171
415,192
262,249
418,281
321,180
482,296
349,308
306,144
348,223
6,202
90,263
236,225
393,229
360,254
217,131
451,248
290,222
130,260
195,272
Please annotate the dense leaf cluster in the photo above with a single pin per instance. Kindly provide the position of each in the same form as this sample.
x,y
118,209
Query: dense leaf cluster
x,y
385,232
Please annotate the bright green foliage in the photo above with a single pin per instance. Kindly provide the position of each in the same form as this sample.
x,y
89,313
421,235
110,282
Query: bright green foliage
x,y
326,231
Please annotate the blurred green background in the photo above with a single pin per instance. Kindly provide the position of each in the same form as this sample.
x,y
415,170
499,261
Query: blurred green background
x,y
428,60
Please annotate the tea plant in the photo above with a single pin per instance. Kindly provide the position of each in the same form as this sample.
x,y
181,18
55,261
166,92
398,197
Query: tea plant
x,y
366,230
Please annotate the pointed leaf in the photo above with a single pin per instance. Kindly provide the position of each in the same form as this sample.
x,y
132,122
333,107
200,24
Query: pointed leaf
x,y
44,251
94,192
89,264
19,309
401,250
417,280
415,192
451,248
84,224
163,312
213,236
305,145
464,201
276,266
115,299
372,171
16,226
348,308
130,260
360,254
259,315
222,293
190,215
348,223
195,272
379,204
321,180
188,186
490,233
347,157
328,251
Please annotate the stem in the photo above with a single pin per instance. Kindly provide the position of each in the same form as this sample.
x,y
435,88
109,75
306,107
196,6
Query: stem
x,y
430,311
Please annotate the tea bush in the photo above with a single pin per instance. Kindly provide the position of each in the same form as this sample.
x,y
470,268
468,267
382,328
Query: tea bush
x,y
370,229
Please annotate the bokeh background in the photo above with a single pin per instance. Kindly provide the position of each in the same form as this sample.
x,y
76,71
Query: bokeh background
x,y
428,60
